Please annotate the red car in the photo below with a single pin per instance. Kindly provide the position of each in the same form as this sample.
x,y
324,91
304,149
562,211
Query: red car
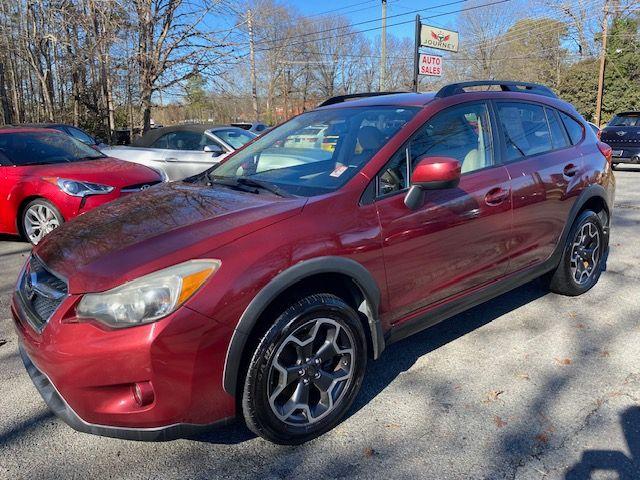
x,y
261,288
47,178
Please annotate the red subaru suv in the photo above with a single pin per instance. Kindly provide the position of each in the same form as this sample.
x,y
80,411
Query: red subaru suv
x,y
261,288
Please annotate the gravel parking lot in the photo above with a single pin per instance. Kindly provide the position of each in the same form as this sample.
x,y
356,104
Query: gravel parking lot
x,y
530,385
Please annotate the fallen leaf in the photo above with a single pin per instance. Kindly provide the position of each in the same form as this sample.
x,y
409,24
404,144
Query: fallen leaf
x,y
604,353
393,425
573,315
563,361
542,438
499,422
580,326
493,395
523,376
369,452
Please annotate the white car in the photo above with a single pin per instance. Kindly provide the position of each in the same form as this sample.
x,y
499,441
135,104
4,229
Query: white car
x,y
181,151
310,137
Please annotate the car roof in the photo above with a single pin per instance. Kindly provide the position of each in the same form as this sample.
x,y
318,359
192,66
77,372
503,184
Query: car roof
x,y
404,99
628,113
38,125
7,129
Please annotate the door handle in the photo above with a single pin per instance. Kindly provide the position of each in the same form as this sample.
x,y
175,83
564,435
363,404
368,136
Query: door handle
x,y
171,159
570,170
496,196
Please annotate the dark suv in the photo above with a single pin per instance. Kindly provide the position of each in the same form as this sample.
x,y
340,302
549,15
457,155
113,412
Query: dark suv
x,y
261,288
622,133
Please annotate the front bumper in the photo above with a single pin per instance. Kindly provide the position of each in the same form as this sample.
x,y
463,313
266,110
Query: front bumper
x,y
62,410
86,373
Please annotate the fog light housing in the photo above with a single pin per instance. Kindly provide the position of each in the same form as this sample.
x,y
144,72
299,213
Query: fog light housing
x,y
143,393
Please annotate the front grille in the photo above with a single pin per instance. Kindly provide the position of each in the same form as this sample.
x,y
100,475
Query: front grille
x,y
139,187
41,293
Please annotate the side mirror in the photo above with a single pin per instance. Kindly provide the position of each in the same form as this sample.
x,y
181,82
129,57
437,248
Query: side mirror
x,y
432,173
216,150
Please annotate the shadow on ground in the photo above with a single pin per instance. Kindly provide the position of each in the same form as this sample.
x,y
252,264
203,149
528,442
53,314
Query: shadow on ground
x,y
614,461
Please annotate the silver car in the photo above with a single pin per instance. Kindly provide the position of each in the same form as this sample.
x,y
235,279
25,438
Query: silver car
x,y
181,151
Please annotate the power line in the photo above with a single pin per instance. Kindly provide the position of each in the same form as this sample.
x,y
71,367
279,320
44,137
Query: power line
x,y
377,19
497,2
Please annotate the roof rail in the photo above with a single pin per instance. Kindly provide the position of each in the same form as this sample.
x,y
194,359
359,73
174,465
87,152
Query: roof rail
x,y
353,96
505,86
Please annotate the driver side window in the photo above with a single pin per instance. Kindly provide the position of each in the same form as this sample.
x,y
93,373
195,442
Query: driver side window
x,y
462,132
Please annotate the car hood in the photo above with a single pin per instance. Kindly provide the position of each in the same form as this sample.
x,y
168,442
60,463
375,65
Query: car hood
x,y
111,171
154,229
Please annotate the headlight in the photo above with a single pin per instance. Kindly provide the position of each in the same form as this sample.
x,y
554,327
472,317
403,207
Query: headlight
x,y
148,298
82,189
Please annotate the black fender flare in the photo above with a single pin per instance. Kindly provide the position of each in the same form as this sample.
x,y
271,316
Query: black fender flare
x,y
328,264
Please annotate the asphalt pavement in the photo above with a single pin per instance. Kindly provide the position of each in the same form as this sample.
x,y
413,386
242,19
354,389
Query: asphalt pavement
x,y
530,385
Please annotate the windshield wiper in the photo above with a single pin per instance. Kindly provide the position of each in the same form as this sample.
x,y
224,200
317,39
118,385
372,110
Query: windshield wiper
x,y
270,187
247,185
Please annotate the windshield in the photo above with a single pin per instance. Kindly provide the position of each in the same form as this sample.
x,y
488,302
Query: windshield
x,y
234,136
40,148
625,120
316,152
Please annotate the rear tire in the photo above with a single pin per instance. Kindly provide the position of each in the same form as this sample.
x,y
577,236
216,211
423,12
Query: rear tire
x,y
39,218
582,260
306,371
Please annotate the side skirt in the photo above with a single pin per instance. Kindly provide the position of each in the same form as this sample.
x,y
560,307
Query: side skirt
x,y
438,314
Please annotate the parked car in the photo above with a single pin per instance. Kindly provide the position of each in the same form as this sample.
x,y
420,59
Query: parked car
x,y
310,137
623,134
183,150
75,132
47,178
255,127
262,290
595,128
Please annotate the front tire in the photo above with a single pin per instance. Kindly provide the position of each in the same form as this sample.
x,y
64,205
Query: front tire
x,y
306,371
39,218
582,259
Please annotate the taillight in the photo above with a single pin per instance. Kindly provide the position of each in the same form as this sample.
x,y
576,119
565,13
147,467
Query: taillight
x,y
606,150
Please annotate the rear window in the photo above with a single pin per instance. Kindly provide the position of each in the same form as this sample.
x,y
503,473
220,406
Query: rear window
x,y
574,129
625,120
39,148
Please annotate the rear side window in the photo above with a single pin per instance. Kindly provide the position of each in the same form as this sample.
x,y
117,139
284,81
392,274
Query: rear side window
x,y
182,140
558,136
525,129
574,129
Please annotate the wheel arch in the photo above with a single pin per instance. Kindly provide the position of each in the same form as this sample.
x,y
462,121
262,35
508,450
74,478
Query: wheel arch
x,y
594,197
337,275
20,211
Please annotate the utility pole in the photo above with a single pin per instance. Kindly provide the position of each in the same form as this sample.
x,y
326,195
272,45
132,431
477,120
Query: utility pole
x,y
252,61
603,60
416,54
383,52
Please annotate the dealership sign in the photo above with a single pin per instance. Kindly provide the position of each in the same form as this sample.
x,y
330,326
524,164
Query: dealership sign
x,y
434,37
430,65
